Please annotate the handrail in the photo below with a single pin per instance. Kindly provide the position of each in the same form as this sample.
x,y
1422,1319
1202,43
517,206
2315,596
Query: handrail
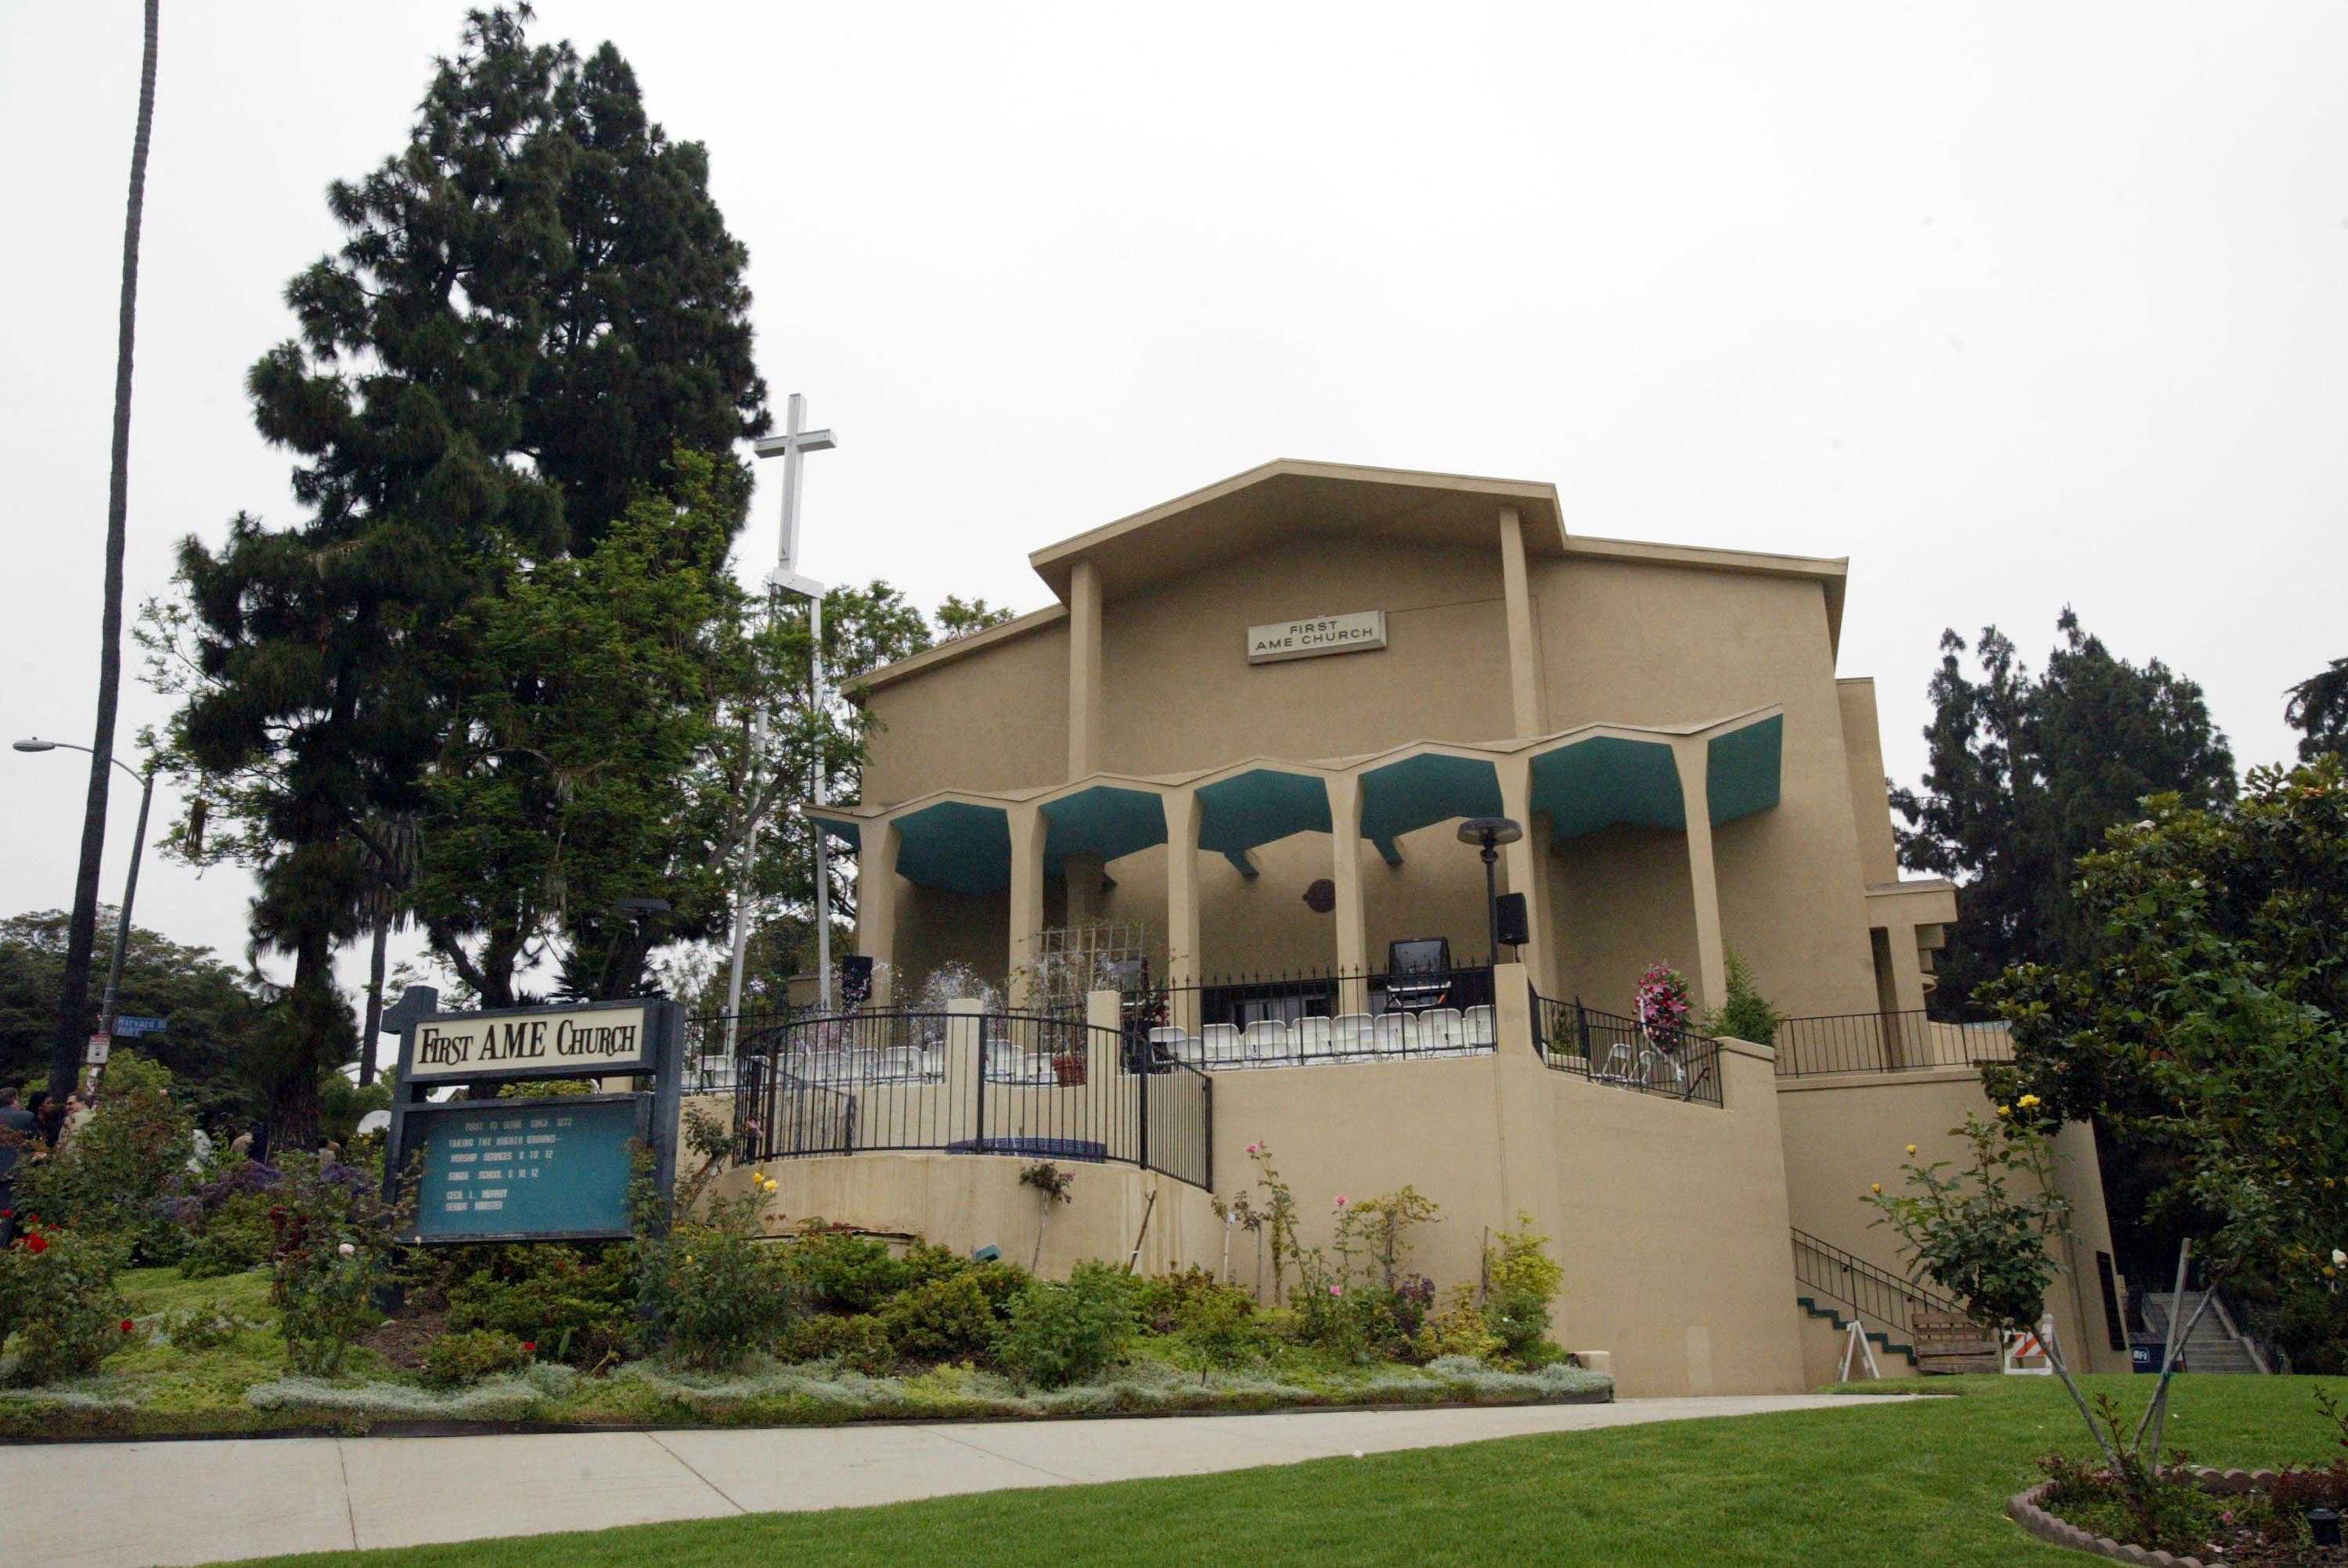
x,y
1907,1041
1872,1293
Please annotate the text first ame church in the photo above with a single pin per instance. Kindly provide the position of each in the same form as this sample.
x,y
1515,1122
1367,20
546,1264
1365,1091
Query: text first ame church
x,y
1244,740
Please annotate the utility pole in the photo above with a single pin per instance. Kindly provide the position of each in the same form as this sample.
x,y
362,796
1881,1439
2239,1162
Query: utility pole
x,y
789,446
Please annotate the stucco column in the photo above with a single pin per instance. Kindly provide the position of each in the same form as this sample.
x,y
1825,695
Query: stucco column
x,y
1527,865
1184,963
1345,871
1104,1021
1026,822
1693,755
1524,672
961,1086
875,904
1903,1041
1083,670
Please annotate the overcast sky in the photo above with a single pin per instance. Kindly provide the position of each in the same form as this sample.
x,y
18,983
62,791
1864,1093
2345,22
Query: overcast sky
x,y
2014,305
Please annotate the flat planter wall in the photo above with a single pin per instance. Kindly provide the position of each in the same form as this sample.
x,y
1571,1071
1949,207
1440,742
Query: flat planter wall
x,y
2023,1510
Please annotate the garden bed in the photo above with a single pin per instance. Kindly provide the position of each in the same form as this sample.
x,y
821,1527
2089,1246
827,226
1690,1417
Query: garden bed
x,y
2243,1523
241,1387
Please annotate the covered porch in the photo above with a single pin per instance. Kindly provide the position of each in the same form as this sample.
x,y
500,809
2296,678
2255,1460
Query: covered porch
x,y
1387,866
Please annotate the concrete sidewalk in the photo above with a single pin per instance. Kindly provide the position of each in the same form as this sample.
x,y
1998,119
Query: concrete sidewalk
x,y
135,1505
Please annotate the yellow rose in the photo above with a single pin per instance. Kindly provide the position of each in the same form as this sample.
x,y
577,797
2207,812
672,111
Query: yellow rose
x,y
2005,1110
1875,1186
2027,1100
1911,1147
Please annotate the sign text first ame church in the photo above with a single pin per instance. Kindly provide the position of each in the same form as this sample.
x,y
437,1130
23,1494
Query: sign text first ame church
x,y
1355,633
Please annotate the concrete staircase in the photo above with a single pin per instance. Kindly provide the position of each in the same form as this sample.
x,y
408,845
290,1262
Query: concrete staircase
x,y
2213,1346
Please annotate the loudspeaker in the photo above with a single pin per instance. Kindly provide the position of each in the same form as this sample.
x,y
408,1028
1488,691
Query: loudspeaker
x,y
1516,928
856,980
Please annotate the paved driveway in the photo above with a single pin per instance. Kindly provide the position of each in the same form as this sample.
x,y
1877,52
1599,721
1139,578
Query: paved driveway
x,y
135,1505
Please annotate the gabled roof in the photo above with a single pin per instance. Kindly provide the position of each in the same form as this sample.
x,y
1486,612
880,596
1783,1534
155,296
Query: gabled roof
x,y
1289,498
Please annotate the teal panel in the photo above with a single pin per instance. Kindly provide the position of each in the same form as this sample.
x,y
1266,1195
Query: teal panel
x,y
1420,791
1594,784
845,829
957,846
1740,770
551,1168
1104,821
1261,806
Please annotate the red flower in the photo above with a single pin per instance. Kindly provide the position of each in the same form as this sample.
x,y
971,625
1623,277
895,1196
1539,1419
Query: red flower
x,y
8,1214
36,1243
125,1326
531,1346
33,1220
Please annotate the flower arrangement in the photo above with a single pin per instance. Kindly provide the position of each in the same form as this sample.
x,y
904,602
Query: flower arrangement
x,y
1663,1006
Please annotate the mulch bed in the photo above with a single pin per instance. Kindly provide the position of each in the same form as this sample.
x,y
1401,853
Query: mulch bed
x,y
2243,1549
403,1341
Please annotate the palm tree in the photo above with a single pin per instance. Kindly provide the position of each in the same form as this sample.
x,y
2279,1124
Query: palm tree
x,y
81,936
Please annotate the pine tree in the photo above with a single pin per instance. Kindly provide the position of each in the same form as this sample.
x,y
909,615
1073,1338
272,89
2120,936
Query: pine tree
x,y
2318,710
536,304
2025,776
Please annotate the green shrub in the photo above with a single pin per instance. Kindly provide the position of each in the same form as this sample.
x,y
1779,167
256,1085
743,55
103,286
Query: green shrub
x,y
200,1328
1216,1330
57,1296
575,1304
1161,1301
235,1237
1000,1283
712,1291
116,1171
460,1360
1747,1014
860,1343
1060,1334
1457,1329
847,1272
946,1320
331,1254
1523,1279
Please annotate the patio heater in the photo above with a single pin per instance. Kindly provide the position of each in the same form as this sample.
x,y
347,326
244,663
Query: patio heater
x,y
1491,833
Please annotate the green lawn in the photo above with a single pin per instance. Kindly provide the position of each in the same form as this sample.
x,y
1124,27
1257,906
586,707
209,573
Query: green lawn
x,y
1915,1485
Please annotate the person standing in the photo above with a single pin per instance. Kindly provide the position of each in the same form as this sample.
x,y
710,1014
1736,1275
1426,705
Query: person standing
x,y
19,1134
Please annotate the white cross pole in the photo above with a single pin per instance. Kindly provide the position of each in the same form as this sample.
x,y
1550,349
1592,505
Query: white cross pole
x,y
785,578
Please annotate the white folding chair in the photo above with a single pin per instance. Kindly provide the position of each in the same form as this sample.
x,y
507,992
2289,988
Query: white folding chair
x,y
1166,1043
1477,1025
1223,1045
1315,1040
1268,1043
1393,1034
1440,1028
1353,1035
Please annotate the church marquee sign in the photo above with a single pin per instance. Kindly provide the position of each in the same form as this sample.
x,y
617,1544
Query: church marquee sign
x,y
1356,633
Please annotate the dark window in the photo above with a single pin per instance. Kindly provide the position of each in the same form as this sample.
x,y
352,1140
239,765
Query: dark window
x,y
2112,1324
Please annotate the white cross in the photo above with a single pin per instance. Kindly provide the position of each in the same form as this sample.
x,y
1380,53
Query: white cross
x,y
789,446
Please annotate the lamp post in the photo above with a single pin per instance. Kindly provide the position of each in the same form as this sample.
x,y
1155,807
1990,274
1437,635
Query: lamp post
x,y
130,883
1490,831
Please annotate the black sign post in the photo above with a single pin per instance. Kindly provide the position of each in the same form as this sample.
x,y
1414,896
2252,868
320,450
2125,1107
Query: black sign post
x,y
549,1168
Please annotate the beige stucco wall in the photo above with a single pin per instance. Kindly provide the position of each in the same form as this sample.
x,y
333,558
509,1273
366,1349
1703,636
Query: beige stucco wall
x,y
1181,694
1630,643
1844,1133
994,718
1871,799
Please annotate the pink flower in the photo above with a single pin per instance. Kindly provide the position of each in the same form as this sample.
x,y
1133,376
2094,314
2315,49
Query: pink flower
x,y
1340,1200
1336,1290
1255,1148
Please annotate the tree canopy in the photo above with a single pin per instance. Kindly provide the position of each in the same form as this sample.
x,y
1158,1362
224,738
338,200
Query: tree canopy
x,y
2024,776
2207,1034
215,1012
2318,709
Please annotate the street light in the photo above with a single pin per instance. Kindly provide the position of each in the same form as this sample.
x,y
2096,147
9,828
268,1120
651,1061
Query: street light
x,y
1490,831
130,883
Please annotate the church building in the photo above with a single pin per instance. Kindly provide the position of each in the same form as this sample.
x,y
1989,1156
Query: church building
x,y
1225,775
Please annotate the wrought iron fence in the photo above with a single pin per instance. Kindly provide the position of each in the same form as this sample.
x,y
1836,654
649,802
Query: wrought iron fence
x,y
1607,1047
1321,1017
1041,1085
1885,1043
1876,1296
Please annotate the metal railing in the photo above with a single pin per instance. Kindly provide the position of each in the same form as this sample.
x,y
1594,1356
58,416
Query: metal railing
x,y
1885,1043
1608,1047
1323,1017
1876,1296
1043,1086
